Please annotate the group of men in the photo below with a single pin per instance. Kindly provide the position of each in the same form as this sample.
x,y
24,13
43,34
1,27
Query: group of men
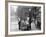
x,y
25,25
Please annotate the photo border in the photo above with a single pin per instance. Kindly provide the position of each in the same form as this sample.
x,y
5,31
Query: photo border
x,y
6,16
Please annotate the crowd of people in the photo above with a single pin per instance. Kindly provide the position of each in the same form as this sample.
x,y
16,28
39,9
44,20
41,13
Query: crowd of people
x,y
26,25
31,22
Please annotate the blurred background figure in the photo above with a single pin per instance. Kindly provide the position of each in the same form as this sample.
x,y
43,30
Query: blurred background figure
x,y
33,25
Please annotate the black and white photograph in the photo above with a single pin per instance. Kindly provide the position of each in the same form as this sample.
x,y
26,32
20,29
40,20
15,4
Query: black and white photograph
x,y
24,18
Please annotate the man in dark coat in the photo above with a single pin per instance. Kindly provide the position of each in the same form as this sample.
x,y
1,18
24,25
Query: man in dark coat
x,y
31,14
